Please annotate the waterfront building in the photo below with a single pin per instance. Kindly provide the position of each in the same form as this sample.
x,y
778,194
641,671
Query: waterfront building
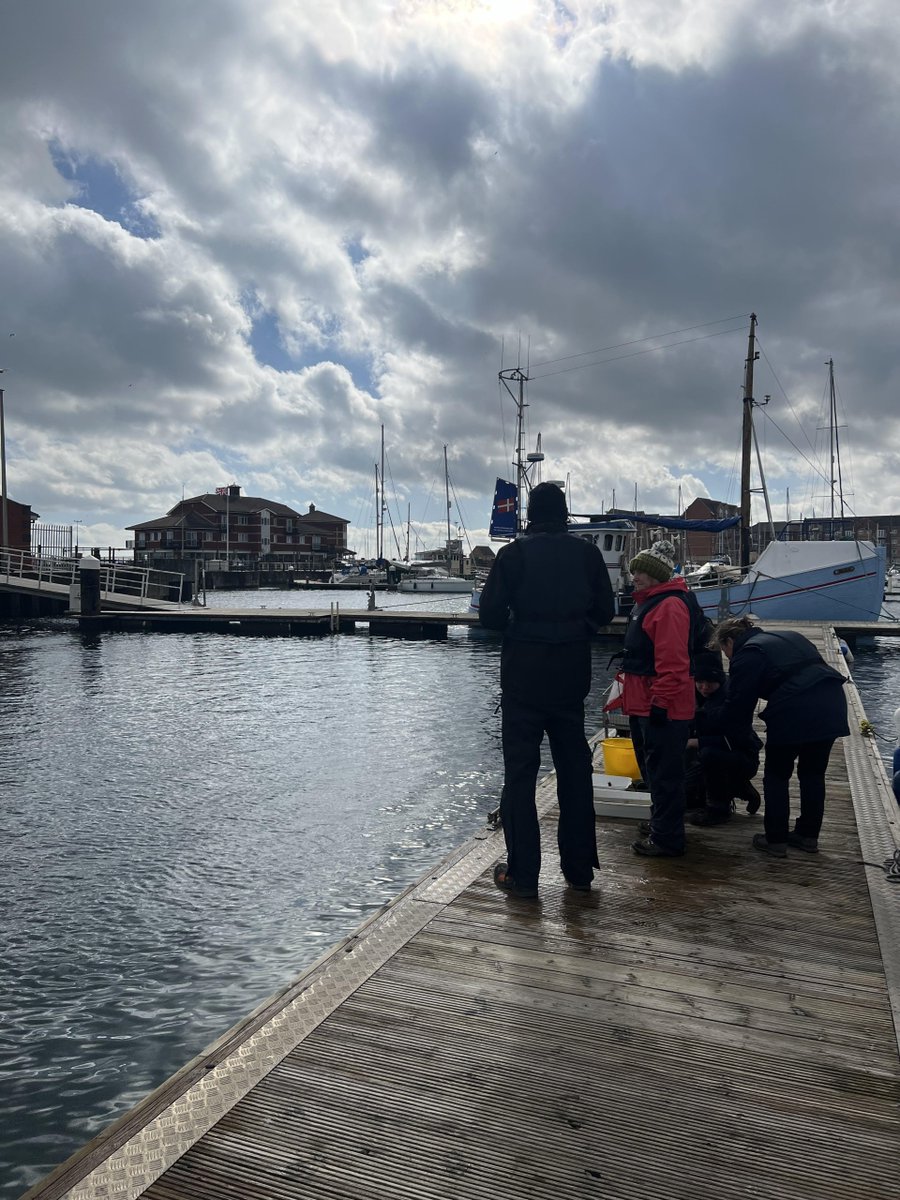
x,y
700,547
19,520
224,528
881,530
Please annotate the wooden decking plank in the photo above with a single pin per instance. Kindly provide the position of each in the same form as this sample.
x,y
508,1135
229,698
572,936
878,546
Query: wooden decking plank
x,y
678,958
461,954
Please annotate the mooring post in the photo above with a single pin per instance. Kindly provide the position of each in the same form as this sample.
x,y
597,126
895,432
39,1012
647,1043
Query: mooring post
x,y
89,586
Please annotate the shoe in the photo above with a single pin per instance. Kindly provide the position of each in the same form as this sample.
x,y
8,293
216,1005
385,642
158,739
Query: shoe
x,y
775,849
505,882
799,842
648,849
710,816
577,887
749,794
644,829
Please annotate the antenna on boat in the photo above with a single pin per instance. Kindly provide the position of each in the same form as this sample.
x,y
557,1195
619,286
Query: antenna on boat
x,y
517,375
746,440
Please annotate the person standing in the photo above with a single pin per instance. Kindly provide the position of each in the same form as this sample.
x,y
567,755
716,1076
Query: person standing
x,y
806,712
548,592
658,691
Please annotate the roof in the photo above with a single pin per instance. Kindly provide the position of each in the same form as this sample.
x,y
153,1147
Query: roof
x,y
318,515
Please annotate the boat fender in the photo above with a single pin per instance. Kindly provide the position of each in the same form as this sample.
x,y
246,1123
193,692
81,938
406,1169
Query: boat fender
x,y
845,650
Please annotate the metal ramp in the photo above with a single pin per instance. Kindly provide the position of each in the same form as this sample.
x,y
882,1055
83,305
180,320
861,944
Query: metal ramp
x,y
122,586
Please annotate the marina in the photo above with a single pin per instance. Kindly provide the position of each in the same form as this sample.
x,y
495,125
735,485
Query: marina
x,y
416,1053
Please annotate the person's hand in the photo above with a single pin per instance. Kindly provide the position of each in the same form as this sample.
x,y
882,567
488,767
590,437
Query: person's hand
x,y
693,744
658,716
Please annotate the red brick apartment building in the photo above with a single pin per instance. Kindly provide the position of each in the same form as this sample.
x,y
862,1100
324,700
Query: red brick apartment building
x,y
224,526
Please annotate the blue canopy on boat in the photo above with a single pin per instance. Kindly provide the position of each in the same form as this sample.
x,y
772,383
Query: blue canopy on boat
x,y
680,522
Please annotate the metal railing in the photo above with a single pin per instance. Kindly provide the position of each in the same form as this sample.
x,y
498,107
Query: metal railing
x,y
118,581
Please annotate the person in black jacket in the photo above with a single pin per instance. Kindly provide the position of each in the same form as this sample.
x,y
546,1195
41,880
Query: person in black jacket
x,y
806,712
548,592
722,758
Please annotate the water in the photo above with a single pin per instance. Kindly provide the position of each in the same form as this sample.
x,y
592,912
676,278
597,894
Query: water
x,y
189,820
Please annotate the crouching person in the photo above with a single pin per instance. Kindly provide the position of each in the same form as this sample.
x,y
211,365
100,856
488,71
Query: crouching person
x,y
725,754
806,711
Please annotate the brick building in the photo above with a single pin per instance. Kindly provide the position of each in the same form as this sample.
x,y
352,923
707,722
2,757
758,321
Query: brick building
x,y
19,519
700,547
882,530
224,526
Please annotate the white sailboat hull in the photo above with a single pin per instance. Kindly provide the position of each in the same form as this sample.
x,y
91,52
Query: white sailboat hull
x,y
449,585
805,581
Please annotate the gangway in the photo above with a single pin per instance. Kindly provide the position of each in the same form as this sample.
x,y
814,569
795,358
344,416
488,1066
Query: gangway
x,y
122,585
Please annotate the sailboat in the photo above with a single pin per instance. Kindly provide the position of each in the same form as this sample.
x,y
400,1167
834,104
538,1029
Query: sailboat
x,y
431,577
802,580
610,535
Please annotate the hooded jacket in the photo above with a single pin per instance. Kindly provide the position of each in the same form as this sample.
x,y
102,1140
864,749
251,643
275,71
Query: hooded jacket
x,y
548,592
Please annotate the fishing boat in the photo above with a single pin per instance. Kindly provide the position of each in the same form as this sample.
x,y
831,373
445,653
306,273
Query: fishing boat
x,y
611,535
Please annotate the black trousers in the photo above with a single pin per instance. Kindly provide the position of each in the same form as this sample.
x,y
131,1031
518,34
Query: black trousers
x,y
659,750
811,759
725,772
524,727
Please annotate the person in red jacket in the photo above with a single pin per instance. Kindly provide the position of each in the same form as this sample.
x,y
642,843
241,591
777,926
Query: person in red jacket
x,y
658,691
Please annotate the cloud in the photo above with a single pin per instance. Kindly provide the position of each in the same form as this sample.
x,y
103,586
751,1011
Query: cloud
x,y
236,238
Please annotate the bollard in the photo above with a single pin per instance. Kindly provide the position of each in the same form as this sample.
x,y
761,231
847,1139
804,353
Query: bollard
x,y
89,586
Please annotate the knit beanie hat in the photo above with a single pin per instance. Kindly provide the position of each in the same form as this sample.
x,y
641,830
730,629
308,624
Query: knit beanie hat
x,y
708,666
658,561
547,505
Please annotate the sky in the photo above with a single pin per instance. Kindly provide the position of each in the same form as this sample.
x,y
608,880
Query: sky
x,y
238,237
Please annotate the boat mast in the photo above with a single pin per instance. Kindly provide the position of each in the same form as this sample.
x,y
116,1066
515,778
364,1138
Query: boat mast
x,y
380,505
747,444
447,495
516,374
835,447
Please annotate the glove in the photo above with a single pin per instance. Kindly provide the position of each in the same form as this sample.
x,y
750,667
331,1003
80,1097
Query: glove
x,y
658,716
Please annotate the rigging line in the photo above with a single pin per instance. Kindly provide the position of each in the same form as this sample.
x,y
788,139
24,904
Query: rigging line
x,y
459,513
818,471
784,393
636,353
549,362
388,507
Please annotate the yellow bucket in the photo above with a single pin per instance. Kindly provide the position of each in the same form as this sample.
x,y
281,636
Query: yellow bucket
x,y
619,758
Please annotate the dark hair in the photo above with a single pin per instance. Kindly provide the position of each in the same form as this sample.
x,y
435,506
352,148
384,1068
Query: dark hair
x,y
731,628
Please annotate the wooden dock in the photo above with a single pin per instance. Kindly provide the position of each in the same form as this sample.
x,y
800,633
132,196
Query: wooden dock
x,y
715,1027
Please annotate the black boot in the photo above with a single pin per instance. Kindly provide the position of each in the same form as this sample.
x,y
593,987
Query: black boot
x,y
748,793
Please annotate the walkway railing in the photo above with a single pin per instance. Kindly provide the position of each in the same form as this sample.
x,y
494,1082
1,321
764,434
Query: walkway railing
x,y
119,581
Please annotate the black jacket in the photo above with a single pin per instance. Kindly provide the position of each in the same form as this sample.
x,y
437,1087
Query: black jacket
x,y
712,730
806,701
548,592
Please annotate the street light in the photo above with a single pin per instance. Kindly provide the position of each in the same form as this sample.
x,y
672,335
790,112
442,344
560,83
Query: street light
x,y
77,521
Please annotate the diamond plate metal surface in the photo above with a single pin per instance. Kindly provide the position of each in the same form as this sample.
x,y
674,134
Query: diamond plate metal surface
x,y
878,828
141,1160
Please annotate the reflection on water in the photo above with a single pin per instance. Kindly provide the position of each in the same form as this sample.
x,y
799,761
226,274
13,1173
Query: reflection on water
x,y
187,821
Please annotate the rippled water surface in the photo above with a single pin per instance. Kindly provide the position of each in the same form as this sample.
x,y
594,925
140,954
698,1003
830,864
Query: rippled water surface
x,y
189,820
